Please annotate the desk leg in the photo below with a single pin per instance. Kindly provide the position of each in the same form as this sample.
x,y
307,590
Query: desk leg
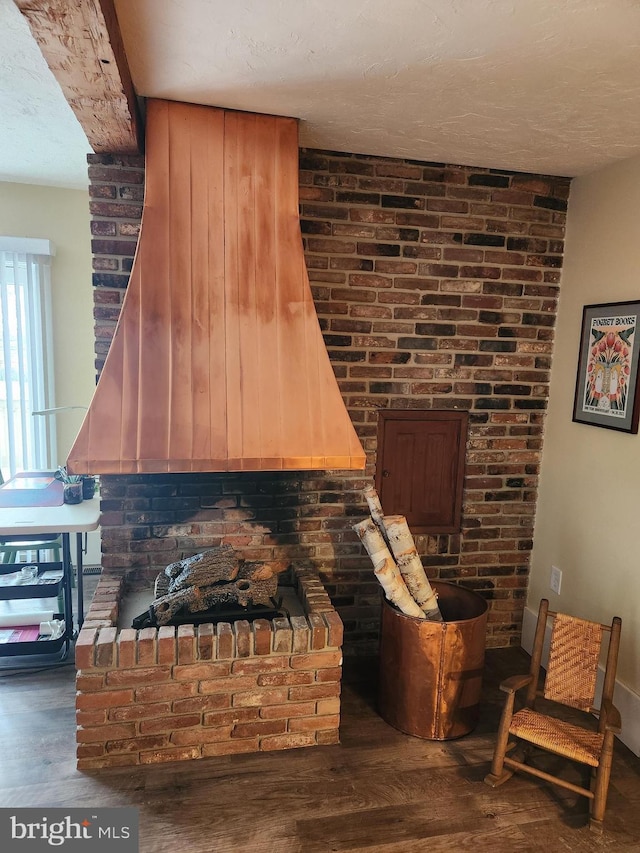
x,y
79,580
67,568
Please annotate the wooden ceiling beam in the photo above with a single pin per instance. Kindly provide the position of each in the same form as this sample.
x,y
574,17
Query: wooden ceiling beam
x,y
83,47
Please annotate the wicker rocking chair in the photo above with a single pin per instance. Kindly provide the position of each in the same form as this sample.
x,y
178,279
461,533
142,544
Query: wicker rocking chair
x,y
570,681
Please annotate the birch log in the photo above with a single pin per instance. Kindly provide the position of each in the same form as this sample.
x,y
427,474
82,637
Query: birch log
x,y
385,568
410,565
375,507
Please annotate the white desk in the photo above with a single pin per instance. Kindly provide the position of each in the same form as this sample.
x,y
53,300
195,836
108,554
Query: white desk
x,y
64,519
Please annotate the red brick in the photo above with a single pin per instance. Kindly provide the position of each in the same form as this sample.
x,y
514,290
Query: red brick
x,y
244,638
186,644
172,754
90,750
260,728
288,741
167,653
91,718
205,641
315,723
319,631
328,736
282,635
196,737
262,697
169,723
314,691
262,636
139,711
319,660
139,675
232,684
258,667
93,734
202,671
85,648
105,647
233,747
335,628
331,674
147,645
119,759
289,709
225,646
169,692
104,699
137,744
328,706
231,717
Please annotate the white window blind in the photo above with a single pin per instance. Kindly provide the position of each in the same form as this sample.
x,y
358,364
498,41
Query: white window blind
x,y
27,443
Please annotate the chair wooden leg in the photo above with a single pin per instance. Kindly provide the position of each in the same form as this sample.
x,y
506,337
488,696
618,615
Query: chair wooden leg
x,y
601,786
498,774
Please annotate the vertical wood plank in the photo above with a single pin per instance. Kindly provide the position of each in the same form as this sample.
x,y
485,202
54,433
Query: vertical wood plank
x,y
232,249
248,282
268,412
297,450
184,222
154,256
214,284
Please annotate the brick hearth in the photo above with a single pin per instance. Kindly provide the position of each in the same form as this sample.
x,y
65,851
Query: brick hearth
x,y
170,694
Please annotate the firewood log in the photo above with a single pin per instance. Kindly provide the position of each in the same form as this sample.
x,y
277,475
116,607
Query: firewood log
x,y
396,590
375,507
410,565
385,568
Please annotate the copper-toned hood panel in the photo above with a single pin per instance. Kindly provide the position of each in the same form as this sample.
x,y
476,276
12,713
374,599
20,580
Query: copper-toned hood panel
x,y
218,362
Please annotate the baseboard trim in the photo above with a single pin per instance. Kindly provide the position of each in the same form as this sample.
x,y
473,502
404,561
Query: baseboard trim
x,y
625,699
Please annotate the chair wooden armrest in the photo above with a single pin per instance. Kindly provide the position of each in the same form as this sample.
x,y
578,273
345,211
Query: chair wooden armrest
x,y
515,682
612,721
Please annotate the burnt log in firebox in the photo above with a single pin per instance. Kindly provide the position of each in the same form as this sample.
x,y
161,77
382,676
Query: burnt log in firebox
x,y
212,585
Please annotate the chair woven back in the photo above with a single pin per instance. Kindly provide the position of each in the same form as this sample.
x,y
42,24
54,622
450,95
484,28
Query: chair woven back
x,y
573,661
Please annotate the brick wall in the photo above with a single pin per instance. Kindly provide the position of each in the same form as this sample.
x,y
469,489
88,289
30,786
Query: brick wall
x,y
436,287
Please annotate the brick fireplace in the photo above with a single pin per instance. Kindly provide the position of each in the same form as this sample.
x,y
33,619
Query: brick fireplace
x,y
436,287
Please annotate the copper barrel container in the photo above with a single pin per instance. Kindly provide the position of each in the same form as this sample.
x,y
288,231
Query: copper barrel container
x,y
431,672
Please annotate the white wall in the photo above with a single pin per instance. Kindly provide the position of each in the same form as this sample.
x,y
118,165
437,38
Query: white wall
x,y
62,216
588,516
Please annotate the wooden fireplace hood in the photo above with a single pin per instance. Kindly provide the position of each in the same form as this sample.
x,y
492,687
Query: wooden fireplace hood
x,y
217,362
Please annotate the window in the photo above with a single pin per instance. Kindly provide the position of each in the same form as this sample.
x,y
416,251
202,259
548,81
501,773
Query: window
x,y
27,441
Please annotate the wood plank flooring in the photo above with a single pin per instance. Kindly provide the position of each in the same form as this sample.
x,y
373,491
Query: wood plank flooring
x,y
379,790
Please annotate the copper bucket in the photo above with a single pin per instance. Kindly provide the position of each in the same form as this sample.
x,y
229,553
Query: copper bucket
x,y
431,672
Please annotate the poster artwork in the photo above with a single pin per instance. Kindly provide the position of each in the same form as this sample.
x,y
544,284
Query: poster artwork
x,y
611,346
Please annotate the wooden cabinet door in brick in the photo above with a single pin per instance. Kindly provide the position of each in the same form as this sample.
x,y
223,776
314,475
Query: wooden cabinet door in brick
x,y
420,467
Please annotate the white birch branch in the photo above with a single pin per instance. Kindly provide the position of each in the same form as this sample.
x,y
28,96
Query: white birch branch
x,y
396,590
410,565
375,507
385,568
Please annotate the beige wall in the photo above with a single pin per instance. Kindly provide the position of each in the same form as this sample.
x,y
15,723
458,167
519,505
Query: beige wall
x,y
588,519
62,216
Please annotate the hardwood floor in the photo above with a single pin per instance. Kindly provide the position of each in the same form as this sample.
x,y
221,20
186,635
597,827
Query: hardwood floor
x,y
379,790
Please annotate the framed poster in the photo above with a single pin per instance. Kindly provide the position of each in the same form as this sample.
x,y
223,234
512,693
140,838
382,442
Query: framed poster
x,y
607,381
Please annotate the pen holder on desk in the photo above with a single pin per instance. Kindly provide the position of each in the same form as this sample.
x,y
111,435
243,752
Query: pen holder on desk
x,y
88,487
73,493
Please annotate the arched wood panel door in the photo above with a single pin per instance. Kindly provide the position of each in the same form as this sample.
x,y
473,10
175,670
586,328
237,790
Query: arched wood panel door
x,y
420,467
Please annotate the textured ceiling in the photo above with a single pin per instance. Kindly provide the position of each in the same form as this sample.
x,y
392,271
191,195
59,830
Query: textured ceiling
x,y
550,86
41,141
